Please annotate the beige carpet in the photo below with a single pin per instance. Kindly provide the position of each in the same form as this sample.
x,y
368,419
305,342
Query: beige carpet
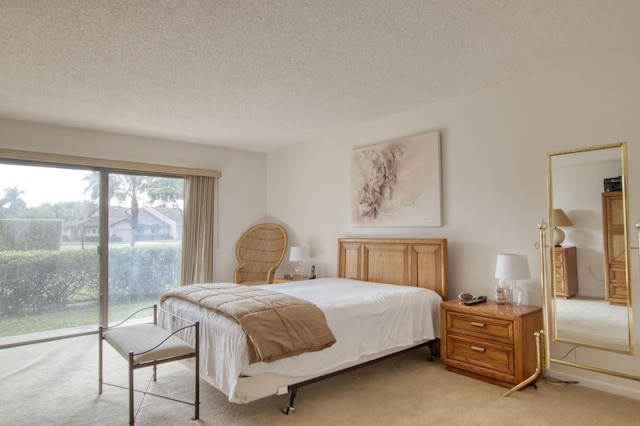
x,y
593,321
56,384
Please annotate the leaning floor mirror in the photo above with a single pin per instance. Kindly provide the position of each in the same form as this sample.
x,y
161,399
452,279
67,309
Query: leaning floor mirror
x,y
588,281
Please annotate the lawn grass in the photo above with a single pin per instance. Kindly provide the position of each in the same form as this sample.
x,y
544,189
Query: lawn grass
x,y
69,318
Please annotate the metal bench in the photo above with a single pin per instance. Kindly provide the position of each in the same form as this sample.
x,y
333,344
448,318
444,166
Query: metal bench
x,y
146,345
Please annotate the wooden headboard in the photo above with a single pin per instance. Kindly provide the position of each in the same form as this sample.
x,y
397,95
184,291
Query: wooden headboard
x,y
417,262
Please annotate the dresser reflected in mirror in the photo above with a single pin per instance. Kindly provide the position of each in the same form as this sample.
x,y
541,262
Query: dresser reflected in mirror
x,y
589,248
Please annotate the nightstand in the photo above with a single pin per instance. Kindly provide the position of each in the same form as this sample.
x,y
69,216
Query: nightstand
x,y
565,272
490,342
288,280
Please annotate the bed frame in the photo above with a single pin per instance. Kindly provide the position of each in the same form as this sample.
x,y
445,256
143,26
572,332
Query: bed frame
x,y
417,262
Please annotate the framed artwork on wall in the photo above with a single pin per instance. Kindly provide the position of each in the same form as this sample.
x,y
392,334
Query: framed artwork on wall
x,y
397,183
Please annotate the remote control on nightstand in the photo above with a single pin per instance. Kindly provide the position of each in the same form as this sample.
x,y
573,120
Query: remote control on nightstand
x,y
479,299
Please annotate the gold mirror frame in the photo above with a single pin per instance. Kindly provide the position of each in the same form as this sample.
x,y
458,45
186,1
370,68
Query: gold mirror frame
x,y
549,285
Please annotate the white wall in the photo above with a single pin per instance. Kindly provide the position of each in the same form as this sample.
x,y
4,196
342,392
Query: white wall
x,y
494,145
242,188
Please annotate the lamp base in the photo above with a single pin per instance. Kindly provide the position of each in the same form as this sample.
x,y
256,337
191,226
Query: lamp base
x,y
298,270
558,236
517,295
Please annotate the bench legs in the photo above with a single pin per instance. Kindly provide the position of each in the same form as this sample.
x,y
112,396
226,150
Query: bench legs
x,y
132,416
100,361
184,351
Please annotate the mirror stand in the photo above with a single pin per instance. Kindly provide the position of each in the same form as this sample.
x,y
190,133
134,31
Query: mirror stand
x,y
540,358
542,245
586,309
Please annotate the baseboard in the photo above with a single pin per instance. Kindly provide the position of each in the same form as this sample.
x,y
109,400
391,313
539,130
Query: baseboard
x,y
628,391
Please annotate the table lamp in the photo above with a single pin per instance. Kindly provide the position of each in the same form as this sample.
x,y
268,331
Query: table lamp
x,y
509,269
298,255
559,219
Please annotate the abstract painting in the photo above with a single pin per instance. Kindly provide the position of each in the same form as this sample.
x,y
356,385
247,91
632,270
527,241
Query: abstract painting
x,y
397,183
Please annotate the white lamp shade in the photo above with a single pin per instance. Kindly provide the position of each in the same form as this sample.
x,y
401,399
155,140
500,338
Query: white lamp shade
x,y
297,254
512,267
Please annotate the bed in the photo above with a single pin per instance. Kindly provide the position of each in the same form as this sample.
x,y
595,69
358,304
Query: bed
x,y
373,273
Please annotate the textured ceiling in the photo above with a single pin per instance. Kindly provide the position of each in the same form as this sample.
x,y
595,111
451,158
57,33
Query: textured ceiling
x,y
260,75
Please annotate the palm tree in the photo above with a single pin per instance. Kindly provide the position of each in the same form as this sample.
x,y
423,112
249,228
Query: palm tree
x,y
93,185
131,187
166,191
123,188
12,199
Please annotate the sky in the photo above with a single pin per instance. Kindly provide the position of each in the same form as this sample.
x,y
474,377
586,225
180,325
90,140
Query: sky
x,y
44,184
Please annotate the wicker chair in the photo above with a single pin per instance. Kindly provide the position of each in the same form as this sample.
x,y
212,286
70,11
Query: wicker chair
x,y
260,251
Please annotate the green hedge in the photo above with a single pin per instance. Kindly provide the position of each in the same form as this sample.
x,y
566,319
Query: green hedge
x,y
45,280
30,234
143,273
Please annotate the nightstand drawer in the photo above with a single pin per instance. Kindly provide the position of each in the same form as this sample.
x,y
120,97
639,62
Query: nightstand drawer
x,y
481,354
559,272
558,256
494,329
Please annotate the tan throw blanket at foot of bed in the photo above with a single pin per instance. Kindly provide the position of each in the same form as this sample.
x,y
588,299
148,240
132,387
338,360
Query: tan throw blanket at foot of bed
x,y
277,325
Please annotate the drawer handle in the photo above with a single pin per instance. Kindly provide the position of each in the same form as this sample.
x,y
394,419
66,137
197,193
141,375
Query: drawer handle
x,y
477,324
477,348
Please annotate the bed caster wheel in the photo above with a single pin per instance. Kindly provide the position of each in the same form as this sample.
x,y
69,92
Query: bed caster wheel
x,y
430,358
288,410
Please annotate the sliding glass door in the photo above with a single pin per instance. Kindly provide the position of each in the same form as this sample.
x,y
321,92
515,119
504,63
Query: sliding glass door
x,y
145,240
49,265
52,223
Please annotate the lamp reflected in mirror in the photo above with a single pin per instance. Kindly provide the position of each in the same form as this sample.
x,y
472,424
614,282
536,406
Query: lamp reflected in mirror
x,y
560,218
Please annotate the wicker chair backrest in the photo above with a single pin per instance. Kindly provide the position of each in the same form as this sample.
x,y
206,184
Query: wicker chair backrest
x,y
260,251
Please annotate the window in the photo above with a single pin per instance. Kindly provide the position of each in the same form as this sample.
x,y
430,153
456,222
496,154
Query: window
x,y
49,239
55,280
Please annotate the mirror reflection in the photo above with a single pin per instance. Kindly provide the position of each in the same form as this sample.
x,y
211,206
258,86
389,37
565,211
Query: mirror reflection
x,y
589,247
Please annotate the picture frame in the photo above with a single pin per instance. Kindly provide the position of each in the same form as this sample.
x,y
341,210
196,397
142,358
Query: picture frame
x,y
397,183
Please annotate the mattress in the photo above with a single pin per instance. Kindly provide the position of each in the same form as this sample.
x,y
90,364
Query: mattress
x,y
367,319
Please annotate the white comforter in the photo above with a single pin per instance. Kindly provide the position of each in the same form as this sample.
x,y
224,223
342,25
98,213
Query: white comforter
x,y
366,318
